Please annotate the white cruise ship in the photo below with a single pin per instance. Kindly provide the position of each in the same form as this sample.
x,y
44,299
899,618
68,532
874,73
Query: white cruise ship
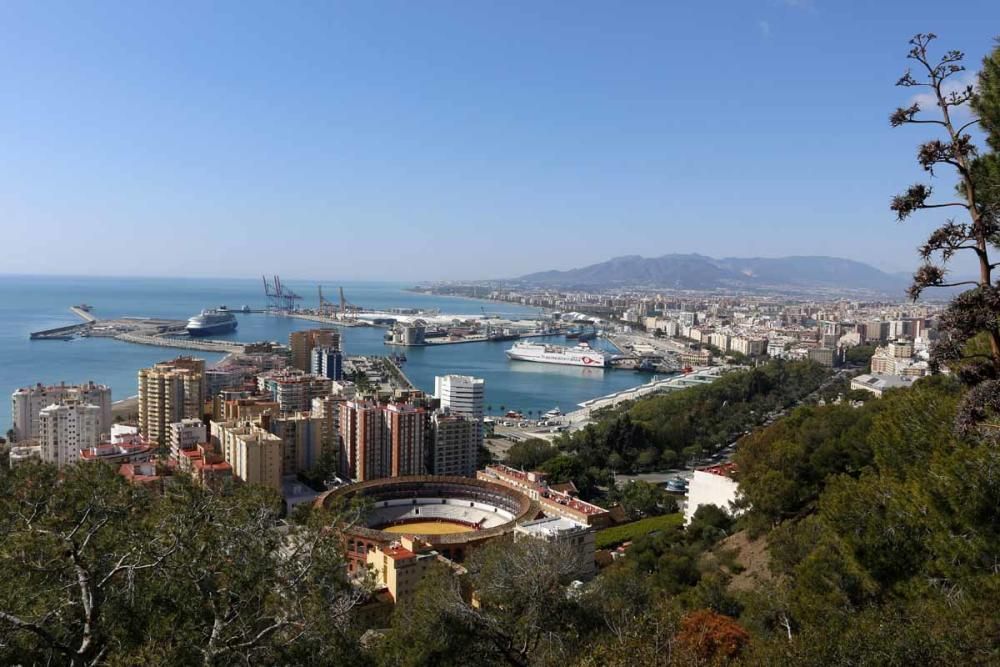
x,y
581,355
211,322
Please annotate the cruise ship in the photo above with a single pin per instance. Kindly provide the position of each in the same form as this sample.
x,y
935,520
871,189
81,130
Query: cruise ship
x,y
581,355
211,322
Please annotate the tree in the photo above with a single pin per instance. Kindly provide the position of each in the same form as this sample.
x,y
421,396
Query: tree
x,y
641,499
522,616
79,547
530,454
976,310
102,568
711,637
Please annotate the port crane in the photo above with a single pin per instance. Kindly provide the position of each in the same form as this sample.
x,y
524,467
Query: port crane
x,y
326,307
278,296
347,307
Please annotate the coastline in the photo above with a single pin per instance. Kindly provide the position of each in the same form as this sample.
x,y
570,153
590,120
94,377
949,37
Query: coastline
x,y
126,408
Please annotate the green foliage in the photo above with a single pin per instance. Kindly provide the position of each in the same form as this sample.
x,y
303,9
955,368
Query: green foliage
x,y
668,429
615,535
859,354
102,568
530,454
641,499
783,468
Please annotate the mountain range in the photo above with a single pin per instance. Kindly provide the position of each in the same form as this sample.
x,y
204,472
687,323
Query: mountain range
x,y
698,272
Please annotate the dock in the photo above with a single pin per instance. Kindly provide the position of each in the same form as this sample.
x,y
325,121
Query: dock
x,y
474,338
323,319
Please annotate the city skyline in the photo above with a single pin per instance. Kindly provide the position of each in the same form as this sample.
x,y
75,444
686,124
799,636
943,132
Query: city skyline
x,y
452,131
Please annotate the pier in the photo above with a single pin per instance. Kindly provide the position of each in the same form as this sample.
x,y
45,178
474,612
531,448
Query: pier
x,y
61,333
138,330
183,343
82,313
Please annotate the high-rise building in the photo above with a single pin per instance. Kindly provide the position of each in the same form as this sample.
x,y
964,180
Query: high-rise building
x,y
463,395
404,429
253,453
303,342
67,427
186,434
381,440
328,362
293,389
362,441
169,392
27,402
327,408
454,449
301,436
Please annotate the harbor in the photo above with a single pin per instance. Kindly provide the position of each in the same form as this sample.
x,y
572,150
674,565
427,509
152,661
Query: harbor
x,y
150,315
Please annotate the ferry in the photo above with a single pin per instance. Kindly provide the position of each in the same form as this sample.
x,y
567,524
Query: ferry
x,y
581,355
215,321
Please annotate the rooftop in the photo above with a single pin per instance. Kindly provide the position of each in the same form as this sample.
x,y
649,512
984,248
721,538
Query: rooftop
x,y
551,526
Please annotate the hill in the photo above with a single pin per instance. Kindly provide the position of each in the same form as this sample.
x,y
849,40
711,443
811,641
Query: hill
x,y
696,272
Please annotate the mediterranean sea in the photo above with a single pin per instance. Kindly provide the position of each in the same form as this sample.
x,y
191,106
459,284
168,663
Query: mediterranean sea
x,y
32,303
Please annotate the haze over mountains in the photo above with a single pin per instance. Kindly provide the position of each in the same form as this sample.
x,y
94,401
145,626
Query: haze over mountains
x,y
698,272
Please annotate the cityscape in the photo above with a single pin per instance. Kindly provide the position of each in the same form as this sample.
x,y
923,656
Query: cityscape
x,y
434,439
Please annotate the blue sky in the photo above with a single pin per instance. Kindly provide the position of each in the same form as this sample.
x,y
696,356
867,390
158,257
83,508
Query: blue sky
x,y
440,140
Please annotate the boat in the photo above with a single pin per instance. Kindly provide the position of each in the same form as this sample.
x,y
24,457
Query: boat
x,y
213,321
581,355
246,308
501,335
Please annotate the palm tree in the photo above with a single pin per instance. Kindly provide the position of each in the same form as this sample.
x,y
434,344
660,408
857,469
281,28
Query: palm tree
x,y
503,409
489,409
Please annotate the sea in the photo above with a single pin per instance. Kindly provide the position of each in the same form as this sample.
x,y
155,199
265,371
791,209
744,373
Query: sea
x,y
32,303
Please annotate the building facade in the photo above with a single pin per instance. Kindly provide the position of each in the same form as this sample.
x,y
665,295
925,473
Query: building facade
x,y
186,434
27,402
169,392
294,390
454,449
301,437
65,429
253,453
328,362
463,395
361,441
404,429
379,441
303,342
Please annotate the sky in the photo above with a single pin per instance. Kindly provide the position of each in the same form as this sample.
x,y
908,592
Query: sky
x,y
457,140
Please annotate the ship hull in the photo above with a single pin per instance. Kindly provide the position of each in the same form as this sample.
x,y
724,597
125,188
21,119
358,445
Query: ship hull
x,y
212,329
583,362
